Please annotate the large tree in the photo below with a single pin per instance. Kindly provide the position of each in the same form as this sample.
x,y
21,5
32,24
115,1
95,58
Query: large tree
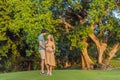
x,y
106,26
92,19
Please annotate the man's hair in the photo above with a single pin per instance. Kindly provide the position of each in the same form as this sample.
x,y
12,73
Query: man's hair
x,y
43,31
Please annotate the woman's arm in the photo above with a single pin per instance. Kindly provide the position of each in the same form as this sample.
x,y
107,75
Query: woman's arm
x,y
53,47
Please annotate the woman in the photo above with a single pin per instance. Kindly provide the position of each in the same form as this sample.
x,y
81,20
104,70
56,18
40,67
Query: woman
x,y
50,58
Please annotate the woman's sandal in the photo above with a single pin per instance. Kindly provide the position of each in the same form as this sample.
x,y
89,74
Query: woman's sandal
x,y
50,74
47,74
42,73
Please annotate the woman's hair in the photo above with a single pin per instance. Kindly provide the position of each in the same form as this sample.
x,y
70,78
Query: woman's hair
x,y
51,38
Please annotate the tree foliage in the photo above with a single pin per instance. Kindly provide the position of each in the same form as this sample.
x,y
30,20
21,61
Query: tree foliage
x,y
21,23
72,22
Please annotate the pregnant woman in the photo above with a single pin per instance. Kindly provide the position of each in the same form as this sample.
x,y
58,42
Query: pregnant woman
x,y
50,58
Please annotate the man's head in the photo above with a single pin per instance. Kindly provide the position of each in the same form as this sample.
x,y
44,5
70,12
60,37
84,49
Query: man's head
x,y
43,32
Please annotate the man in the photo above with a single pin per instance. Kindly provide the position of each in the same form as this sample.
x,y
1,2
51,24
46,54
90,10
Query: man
x,y
41,42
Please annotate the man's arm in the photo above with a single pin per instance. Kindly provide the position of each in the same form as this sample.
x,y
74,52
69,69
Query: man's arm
x,y
41,45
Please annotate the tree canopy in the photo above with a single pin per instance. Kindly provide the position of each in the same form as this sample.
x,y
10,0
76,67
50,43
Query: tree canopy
x,y
83,29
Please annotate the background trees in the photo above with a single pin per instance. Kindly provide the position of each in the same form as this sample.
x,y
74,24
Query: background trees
x,y
21,23
86,32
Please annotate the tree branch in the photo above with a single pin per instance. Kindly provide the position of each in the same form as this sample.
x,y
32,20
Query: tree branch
x,y
68,25
115,48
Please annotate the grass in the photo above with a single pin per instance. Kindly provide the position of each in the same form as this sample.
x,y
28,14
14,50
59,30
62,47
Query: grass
x,y
64,75
115,63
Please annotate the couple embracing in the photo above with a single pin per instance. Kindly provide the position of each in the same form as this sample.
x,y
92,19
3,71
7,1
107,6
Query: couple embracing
x,y
46,50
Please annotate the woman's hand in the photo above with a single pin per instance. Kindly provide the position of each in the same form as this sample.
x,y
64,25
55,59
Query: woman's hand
x,y
49,49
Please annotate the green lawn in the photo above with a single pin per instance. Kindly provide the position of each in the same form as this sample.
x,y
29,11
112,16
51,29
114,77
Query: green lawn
x,y
115,63
64,75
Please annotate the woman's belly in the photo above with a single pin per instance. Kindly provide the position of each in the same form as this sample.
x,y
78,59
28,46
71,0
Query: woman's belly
x,y
49,49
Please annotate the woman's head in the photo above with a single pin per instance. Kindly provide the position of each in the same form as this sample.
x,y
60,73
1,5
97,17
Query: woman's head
x,y
50,37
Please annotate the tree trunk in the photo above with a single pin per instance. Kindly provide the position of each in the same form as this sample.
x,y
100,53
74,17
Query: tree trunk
x,y
83,62
29,65
112,52
101,47
67,64
86,59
